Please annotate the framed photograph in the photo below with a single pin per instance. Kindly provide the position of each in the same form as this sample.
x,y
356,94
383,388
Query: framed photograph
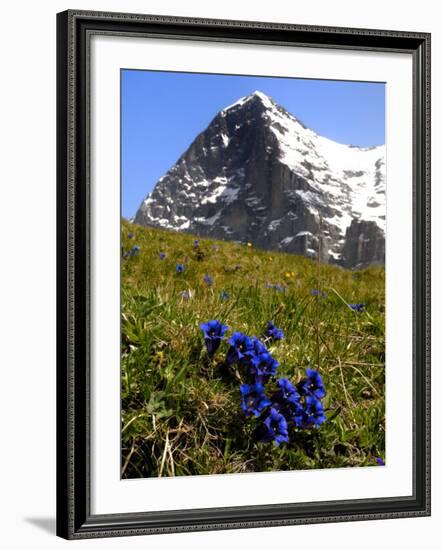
x,y
243,274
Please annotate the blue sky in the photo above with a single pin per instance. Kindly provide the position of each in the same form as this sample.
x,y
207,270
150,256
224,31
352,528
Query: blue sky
x,y
162,112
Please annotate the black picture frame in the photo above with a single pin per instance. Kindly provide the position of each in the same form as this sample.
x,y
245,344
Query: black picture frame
x,y
74,518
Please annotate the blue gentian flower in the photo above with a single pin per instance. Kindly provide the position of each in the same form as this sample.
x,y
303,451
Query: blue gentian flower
x,y
286,392
312,384
380,461
179,268
274,428
126,255
263,366
208,280
185,295
135,250
253,399
287,400
311,415
273,332
315,292
130,235
240,345
224,296
213,334
315,411
162,255
357,307
196,243
256,348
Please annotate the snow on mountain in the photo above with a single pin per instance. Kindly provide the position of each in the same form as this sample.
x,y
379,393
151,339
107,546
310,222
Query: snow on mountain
x,y
257,174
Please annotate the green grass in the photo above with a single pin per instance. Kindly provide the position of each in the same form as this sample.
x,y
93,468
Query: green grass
x,y
181,411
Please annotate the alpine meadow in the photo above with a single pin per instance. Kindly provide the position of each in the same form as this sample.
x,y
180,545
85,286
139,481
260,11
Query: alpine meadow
x,y
252,290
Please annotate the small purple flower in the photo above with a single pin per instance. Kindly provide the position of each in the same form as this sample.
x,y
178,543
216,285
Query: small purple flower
x,y
126,254
162,255
253,399
380,461
357,307
280,288
130,235
179,268
196,243
135,250
213,334
208,280
223,295
316,292
185,295
273,332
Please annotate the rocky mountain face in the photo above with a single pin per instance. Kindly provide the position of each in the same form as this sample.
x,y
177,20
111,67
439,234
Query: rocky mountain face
x,y
257,174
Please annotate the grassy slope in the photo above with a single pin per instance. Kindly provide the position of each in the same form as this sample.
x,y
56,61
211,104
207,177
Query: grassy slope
x,y
181,412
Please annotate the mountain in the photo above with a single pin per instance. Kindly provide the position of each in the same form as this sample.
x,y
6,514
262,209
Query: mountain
x,y
258,174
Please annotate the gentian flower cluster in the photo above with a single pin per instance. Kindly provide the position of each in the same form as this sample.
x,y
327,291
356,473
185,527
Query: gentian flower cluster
x,y
299,405
279,406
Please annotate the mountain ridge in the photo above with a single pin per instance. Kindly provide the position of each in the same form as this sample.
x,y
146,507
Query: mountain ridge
x,y
258,174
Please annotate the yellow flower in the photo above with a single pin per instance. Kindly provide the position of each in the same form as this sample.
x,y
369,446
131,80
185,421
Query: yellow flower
x,y
287,274
249,244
